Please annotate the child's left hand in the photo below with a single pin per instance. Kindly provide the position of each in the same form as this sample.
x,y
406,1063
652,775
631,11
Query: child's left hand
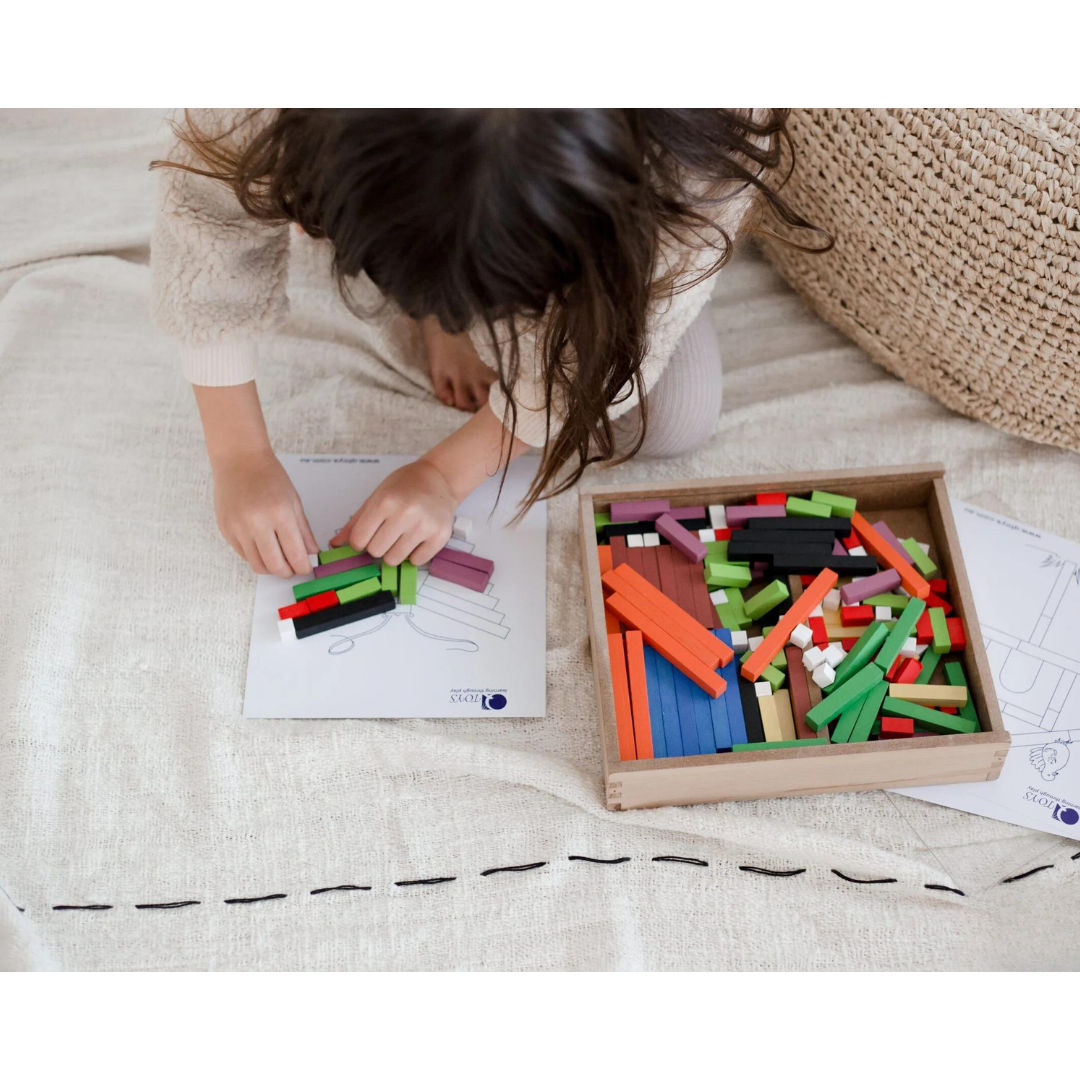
x,y
410,515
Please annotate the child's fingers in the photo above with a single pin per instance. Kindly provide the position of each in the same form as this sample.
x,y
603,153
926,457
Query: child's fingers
x,y
254,559
444,389
343,534
232,542
310,543
481,392
428,549
386,535
369,521
402,548
293,547
270,550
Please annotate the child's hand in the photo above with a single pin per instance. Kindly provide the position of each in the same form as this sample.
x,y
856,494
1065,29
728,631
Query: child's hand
x,y
259,513
410,515
458,376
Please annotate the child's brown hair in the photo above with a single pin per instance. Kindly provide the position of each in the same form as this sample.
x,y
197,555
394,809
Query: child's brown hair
x,y
516,215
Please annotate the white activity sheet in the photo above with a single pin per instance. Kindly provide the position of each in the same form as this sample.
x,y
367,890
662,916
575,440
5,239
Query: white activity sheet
x,y
454,653
1027,595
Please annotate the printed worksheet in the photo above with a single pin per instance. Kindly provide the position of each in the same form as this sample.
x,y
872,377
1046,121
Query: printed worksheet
x,y
1027,596
455,652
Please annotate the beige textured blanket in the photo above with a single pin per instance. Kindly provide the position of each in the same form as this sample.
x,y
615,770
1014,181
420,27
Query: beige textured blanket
x,y
127,778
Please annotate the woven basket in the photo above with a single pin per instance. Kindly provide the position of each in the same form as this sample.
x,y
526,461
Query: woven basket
x,y
957,258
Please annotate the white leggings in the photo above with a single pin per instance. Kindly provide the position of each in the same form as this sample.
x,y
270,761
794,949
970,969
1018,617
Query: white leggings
x,y
685,402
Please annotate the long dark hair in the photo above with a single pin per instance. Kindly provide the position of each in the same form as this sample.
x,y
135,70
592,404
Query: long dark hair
x,y
505,215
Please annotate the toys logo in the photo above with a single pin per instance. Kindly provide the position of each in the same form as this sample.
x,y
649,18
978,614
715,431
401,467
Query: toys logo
x,y
493,700
1067,815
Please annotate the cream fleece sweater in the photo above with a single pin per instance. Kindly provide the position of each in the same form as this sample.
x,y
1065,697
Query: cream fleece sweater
x,y
219,285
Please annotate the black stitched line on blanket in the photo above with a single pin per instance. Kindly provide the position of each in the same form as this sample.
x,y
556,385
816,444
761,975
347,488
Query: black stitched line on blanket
x,y
1026,873
774,873
946,888
535,866
8,898
866,881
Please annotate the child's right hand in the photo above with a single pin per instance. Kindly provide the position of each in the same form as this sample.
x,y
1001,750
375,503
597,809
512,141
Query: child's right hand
x,y
260,514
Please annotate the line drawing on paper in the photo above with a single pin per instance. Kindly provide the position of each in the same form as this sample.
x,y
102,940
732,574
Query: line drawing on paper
x,y
1050,759
1036,675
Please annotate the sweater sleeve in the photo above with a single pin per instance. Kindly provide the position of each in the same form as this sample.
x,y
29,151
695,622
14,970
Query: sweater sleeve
x,y
219,276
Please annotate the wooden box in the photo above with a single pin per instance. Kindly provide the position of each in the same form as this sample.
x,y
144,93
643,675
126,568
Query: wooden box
x,y
913,500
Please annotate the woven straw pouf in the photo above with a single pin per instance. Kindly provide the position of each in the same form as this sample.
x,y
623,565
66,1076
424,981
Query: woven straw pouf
x,y
957,257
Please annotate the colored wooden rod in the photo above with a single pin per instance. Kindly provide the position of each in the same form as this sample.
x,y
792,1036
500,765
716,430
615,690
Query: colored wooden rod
x,y
639,694
941,722
868,714
799,611
786,745
389,578
339,566
930,661
935,696
901,630
334,581
732,700
681,537
923,563
667,646
618,550
407,583
334,554
856,592
463,558
603,554
669,704
343,614
844,726
878,546
751,711
831,707
954,676
322,600
639,510
770,719
841,505
860,655
890,538
626,580
787,720
620,690
656,709
740,515
800,698
942,642
460,575
359,590
644,601
294,611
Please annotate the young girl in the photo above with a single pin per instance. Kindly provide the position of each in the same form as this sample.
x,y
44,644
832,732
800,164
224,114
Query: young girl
x,y
558,263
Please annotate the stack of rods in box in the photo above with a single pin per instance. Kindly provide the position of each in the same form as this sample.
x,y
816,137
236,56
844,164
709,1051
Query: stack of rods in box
x,y
787,621
348,586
